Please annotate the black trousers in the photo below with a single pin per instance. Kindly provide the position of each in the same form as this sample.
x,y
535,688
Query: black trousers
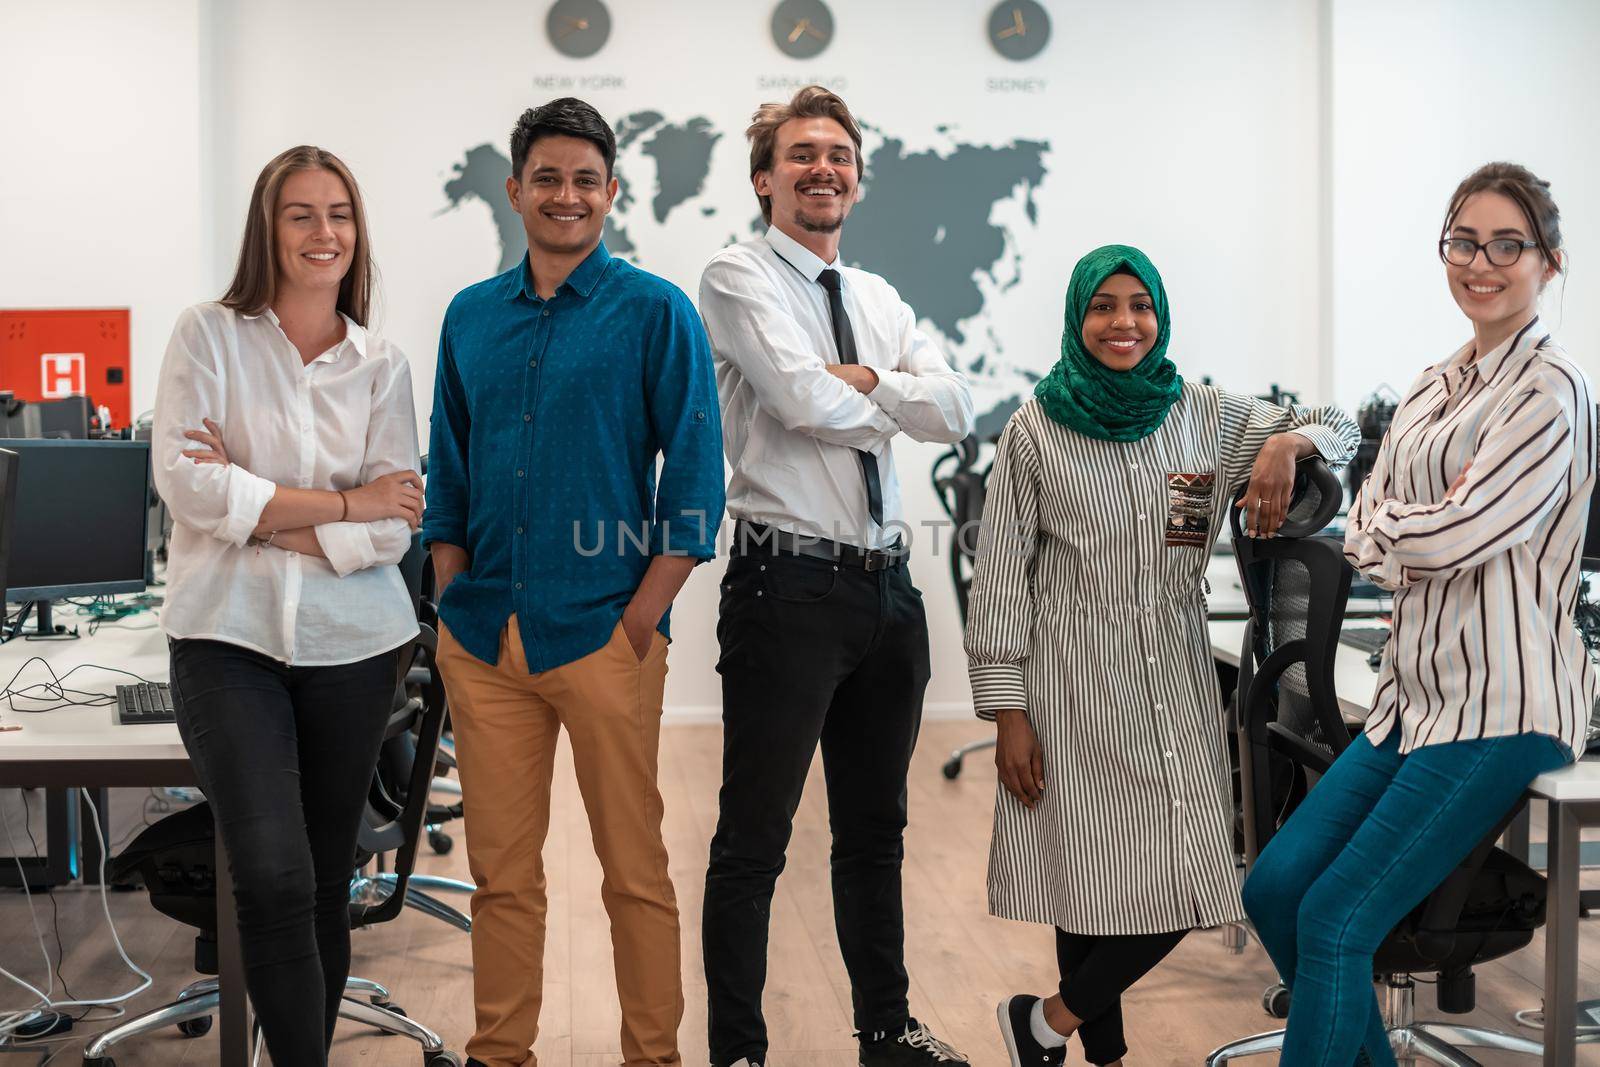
x,y
1095,972
285,756
812,653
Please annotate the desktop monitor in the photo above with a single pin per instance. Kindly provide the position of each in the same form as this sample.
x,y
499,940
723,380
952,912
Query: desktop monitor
x,y
8,499
79,518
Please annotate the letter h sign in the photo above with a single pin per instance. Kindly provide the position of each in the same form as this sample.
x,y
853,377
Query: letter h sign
x,y
61,374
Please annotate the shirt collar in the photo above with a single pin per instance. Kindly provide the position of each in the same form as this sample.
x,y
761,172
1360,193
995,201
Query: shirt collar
x,y
354,333
1497,361
797,255
584,277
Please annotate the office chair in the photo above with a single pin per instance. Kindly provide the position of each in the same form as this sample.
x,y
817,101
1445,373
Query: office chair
x,y
391,787
1290,731
175,859
961,493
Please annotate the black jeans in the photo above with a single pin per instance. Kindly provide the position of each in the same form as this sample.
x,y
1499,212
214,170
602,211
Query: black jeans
x,y
1095,972
285,756
812,653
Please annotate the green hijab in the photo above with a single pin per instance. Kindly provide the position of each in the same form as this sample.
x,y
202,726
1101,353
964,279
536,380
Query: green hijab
x,y
1085,395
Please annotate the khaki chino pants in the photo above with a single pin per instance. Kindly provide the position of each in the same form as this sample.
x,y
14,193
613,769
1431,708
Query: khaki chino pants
x,y
506,723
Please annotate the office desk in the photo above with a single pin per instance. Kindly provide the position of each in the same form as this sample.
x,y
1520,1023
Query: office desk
x,y
86,747
1573,797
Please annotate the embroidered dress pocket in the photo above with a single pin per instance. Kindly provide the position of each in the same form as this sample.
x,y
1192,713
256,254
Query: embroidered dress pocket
x,y
1190,498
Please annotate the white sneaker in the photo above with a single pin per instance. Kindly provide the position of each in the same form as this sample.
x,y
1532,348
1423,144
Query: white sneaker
x,y
745,1063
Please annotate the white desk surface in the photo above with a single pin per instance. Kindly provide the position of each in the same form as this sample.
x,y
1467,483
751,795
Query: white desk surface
x,y
1227,595
1355,682
80,733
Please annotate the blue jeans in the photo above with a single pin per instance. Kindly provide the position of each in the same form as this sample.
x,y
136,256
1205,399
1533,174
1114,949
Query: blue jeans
x,y
1375,836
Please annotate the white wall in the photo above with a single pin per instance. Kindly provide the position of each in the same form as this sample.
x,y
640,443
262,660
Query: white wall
x,y
100,164
1258,149
1424,93
1155,116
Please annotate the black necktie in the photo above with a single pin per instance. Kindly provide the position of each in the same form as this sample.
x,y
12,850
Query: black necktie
x,y
845,339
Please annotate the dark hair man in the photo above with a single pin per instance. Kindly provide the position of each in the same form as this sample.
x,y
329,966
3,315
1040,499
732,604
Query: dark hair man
x,y
557,554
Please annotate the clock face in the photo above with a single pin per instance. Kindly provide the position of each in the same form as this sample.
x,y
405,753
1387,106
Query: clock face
x,y
578,28
1019,29
802,28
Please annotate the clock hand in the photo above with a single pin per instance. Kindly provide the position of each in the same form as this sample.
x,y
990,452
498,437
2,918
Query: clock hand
x,y
1009,31
1016,13
799,30
813,31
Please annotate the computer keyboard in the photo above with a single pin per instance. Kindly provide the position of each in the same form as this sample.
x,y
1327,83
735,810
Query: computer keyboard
x,y
1368,639
145,702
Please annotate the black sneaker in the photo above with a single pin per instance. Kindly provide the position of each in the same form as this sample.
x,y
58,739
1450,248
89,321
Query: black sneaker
x,y
1017,1029
914,1047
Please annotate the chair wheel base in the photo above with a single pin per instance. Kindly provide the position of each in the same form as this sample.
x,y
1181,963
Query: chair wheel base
x,y
440,842
951,769
440,1059
99,1061
195,1027
1275,1001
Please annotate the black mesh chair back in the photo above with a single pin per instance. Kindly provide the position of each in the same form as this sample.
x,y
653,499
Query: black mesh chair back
x,y
960,486
1296,585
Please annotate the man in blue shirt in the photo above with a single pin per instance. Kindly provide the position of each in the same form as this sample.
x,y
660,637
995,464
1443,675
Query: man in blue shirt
x,y
557,552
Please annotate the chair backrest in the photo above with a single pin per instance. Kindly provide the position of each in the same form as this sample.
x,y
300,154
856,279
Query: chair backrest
x,y
961,489
392,826
1296,586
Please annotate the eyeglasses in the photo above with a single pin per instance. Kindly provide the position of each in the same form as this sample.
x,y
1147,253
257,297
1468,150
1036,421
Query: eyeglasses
x,y
1501,252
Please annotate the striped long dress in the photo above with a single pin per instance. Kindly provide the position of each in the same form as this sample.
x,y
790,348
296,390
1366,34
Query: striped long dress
x,y
1086,610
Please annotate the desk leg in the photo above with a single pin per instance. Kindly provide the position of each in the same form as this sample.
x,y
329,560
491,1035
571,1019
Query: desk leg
x,y
233,1006
1561,939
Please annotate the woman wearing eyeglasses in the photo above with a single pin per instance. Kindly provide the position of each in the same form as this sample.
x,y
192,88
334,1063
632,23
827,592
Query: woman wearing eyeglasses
x,y
1473,514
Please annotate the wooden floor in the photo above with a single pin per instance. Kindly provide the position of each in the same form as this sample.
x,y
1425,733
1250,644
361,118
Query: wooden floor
x,y
960,959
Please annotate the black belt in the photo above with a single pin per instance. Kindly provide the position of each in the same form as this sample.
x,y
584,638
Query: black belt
x,y
756,539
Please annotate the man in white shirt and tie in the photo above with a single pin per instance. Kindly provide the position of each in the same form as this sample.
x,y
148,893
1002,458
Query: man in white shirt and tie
x,y
823,636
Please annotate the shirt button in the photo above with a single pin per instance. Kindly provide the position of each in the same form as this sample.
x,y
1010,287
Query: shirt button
x,y
545,313
1159,707
1169,755
1141,518
519,529
1149,659
533,363
1133,466
519,585
519,474
526,417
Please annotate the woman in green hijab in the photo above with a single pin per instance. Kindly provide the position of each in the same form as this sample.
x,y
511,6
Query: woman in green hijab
x,y
1087,645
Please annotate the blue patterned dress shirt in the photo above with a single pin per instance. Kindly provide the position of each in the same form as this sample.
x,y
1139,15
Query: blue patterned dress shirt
x,y
548,417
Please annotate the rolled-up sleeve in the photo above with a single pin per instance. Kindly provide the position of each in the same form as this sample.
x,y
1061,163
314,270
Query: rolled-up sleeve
x,y
682,398
1000,608
391,446
224,502
1247,423
925,397
750,329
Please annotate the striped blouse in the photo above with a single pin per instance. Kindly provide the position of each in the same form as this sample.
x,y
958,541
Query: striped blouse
x,y
1486,577
1086,612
